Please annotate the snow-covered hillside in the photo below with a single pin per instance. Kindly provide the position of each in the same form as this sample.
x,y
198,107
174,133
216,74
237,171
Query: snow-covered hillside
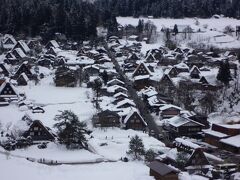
x,y
206,31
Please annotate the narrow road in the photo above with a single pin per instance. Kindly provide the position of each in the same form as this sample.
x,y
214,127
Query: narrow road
x,y
152,126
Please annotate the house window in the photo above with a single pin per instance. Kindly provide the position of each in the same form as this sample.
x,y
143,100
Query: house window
x,y
39,133
132,121
138,121
31,133
35,128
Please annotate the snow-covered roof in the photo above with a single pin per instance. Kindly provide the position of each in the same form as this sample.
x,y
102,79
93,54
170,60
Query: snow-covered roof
x,y
232,141
215,133
120,94
24,46
115,80
113,88
130,115
3,86
54,43
167,106
24,76
141,77
181,65
187,143
150,92
125,101
20,52
178,121
194,67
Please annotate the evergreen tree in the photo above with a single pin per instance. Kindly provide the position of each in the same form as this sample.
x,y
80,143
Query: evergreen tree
x,y
150,155
105,77
71,131
140,26
224,74
181,160
97,84
136,147
175,29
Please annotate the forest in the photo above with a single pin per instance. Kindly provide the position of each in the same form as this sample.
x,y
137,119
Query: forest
x,y
172,8
77,19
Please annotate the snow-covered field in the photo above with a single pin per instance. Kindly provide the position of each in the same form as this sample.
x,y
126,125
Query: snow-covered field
x,y
28,170
211,30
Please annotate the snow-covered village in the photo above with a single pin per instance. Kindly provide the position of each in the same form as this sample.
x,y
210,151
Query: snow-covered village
x,y
90,90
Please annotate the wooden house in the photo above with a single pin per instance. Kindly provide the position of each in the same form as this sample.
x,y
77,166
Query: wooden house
x,y
7,90
120,96
106,118
44,62
156,53
198,163
34,44
181,67
166,85
53,51
18,53
3,102
134,121
182,126
92,70
228,129
116,89
38,109
23,68
150,58
169,110
9,55
231,144
219,132
203,80
133,58
195,72
52,43
3,70
38,132
23,46
172,72
115,82
64,77
141,70
8,42
161,171
125,103
22,80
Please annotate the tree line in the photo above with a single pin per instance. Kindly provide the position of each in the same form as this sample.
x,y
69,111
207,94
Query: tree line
x,y
76,18
172,8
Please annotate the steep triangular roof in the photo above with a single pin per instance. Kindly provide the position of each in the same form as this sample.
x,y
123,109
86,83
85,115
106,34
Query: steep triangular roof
x,y
21,44
198,158
141,69
44,128
133,113
115,81
203,80
7,87
195,69
166,77
19,52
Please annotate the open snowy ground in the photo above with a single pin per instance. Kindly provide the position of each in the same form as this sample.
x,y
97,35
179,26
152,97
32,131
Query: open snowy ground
x,y
24,169
28,170
211,30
